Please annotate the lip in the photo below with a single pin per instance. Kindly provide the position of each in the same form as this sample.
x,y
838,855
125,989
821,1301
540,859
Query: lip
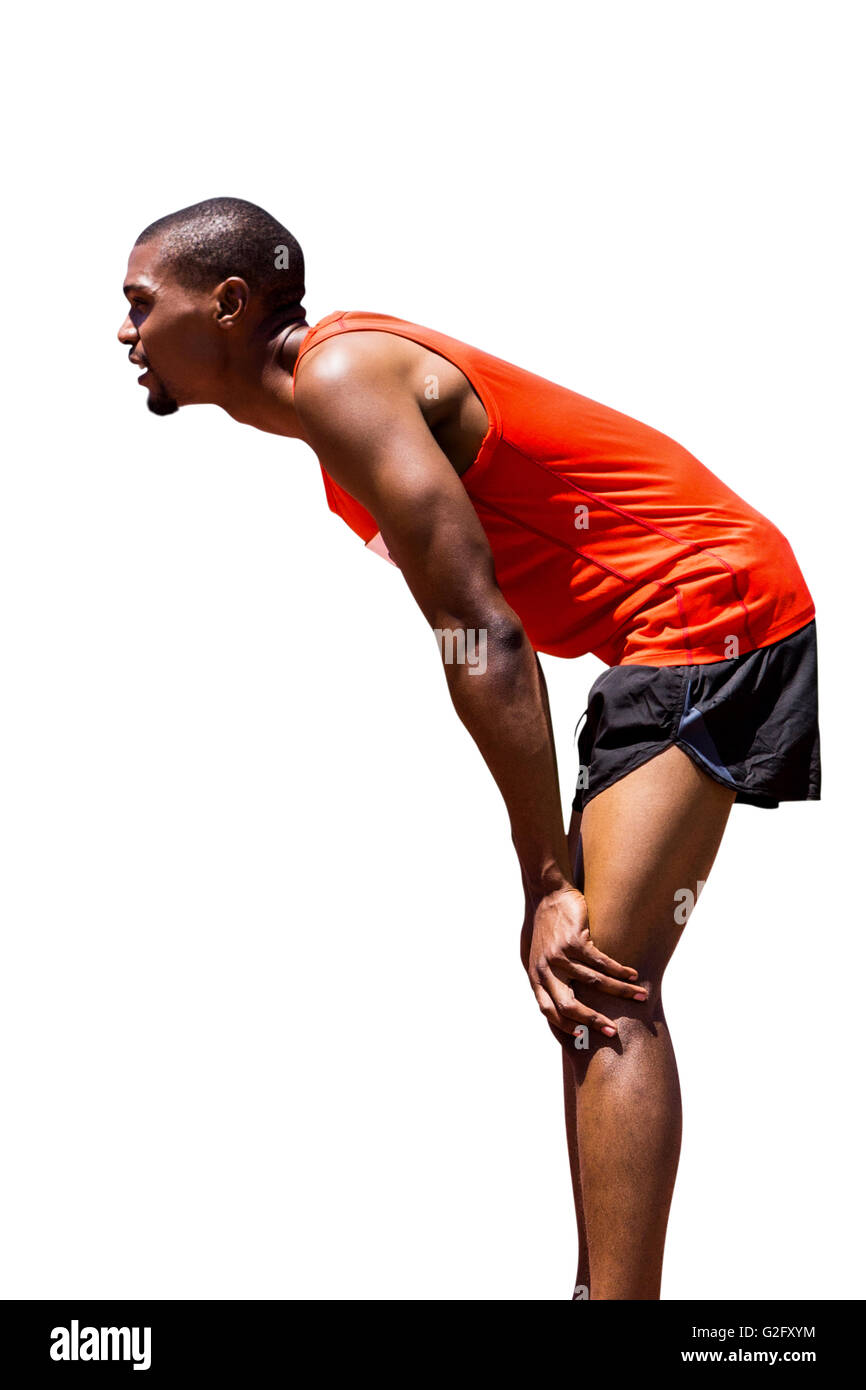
x,y
145,373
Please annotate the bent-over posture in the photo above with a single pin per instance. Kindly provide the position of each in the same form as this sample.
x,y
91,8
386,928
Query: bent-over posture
x,y
526,518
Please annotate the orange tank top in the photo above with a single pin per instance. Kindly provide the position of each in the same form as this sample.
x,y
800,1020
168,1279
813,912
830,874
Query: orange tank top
x,y
607,536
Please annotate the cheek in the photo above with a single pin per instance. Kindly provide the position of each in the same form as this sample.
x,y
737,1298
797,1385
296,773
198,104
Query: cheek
x,y
184,349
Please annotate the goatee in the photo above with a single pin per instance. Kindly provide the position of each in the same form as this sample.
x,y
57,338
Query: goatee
x,y
161,403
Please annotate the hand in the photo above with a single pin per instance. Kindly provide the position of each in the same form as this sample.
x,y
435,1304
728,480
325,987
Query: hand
x,y
561,951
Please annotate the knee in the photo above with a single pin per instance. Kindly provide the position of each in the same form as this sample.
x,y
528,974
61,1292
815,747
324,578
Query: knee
x,y
636,1022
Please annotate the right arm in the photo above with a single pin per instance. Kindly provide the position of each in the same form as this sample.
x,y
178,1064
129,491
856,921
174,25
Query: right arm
x,y
371,437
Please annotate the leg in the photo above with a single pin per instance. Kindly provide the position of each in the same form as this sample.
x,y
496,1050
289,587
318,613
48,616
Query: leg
x,y
582,1285
654,832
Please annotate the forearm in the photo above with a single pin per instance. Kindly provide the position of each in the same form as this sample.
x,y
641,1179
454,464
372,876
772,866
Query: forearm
x,y
504,707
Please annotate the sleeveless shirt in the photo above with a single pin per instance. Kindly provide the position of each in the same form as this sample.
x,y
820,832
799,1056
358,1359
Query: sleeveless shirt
x,y
607,536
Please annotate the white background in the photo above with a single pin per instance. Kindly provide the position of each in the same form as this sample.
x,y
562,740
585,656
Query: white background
x,y
265,1033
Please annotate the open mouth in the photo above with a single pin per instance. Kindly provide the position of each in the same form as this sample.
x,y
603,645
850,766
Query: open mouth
x,y
136,362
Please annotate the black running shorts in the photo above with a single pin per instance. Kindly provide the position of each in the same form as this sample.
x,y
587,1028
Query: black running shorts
x,y
750,722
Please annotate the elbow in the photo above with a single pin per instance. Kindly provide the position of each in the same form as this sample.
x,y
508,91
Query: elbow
x,y
478,647
511,636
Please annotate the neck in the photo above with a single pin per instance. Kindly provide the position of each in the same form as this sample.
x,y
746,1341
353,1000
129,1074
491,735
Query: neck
x,y
261,393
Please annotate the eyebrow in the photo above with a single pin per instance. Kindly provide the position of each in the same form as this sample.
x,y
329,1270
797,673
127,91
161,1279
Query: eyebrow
x,y
128,289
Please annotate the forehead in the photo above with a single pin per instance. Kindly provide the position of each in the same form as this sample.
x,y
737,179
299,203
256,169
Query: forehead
x,y
144,268
142,262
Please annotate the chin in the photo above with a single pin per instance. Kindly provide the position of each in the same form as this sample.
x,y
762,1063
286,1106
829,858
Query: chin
x,y
161,405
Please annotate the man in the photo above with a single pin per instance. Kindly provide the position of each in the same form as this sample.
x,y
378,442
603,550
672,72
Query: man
x,y
527,518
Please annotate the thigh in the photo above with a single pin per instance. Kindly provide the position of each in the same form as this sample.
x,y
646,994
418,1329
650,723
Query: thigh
x,y
647,845
641,851
575,849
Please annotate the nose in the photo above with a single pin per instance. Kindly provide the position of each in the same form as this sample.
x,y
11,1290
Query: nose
x,y
127,333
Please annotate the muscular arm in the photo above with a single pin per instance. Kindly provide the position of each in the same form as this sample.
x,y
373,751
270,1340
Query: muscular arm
x,y
364,422
376,444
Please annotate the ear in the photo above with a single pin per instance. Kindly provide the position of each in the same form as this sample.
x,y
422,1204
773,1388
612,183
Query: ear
x,y
230,301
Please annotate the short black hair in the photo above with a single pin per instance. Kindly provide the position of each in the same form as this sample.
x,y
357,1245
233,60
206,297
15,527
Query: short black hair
x,y
207,242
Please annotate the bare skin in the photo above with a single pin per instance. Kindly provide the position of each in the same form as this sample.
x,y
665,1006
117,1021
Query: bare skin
x,y
220,350
654,832
361,402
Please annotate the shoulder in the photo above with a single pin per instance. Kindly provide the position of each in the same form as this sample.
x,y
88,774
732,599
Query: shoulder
x,y
354,364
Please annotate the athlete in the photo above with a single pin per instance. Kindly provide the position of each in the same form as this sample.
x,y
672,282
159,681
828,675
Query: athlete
x,y
526,518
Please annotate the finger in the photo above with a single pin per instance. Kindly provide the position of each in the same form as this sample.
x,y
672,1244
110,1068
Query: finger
x,y
565,969
546,1005
587,951
571,1011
